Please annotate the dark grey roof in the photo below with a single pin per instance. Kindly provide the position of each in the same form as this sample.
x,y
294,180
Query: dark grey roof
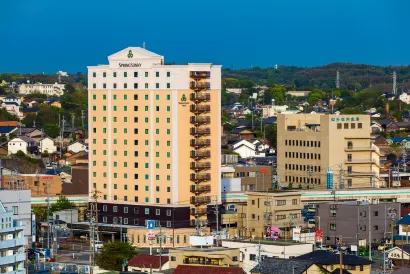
x,y
281,266
324,257
237,130
404,221
7,129
29,109
25,130
270,120
383,122
403,124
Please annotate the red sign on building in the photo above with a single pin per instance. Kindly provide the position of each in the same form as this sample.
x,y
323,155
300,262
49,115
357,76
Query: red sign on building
x,y
319,235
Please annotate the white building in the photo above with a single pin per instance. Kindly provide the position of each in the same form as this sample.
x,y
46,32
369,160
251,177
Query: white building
x,y
12,242
48,89
12,99
23,143
77,146
47,144
67,215
249,251
273,111
244,148
404,97
18,202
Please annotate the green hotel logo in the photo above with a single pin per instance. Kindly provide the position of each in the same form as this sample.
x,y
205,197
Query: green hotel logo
x,y
183,98
130,55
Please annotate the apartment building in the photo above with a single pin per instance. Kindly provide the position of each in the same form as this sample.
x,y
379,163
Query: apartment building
x,y
244,178
350,220
155,133
311,144
12,242
19,203
265,209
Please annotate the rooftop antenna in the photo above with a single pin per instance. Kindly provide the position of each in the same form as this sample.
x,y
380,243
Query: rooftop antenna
x,y
337,80
394,82
143,45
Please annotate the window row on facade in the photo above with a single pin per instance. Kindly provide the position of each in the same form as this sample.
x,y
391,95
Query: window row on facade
x,y
297,179
134,73
136,142
136,153
125,108
137,210
136,165
136,119
302,143
136,199
136,176
136,188
302,167
302,155
125,86
125,96
346,125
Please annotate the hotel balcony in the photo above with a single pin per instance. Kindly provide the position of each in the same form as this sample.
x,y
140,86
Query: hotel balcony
x,y
200,120
198,211
200,200
200,189
200,143
200,74
200,97
200,154
200,177
200,131
200,85
200,109
200,166
371,147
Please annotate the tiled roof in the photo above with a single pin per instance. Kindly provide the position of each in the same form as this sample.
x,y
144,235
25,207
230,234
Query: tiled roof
x,y
10,123
281,266
324,257
190,269
145,260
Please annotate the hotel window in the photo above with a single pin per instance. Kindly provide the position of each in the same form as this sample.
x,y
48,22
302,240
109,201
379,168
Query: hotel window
x,y
157,178
104,85
136,109
158,212
114,74
146,74
136,176
168,201
104,219
359,125
104,108
136,95
125,85
146,188
157,200
135,86
157,97
146,177
146,119
168,97
125,108
157,85
168,189
168,85
94,74
146,131
135,74
105,196
349,182
168,177
146,85
94,107
168,154
346,125
352,125
146,199
157,131
168,166
115,208
94,96
125,153
339,125
349,170
157,74
115,85
168,143
157,154
168,108
332,226
125,74
168,73
146,211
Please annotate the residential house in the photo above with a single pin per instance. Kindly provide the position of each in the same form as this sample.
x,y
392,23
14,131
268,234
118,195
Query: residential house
x,y
5,131
12,99
404,97
31,132
204,269
382,124
30,103
404,229
78,157
77,146
287,266
12,108
217,256
23,143
246,135
55,102
245,148
269,249
32,111
246,177
38,184
398,253
72,132
331,261
11,124
13,255
376,127
47,144
146,263
18,202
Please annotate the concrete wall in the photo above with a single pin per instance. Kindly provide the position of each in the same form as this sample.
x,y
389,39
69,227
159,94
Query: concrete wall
x,y
22,200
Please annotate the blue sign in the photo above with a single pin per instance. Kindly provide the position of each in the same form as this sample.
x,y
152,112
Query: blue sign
x,y
150,224
329,181
47,253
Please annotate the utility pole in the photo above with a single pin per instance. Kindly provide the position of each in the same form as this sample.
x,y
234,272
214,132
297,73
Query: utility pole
x,y
160,246
82,118
340,243
217,215
72,119
337,80
121,229
370,234
394,83
259,257
48,212
341,176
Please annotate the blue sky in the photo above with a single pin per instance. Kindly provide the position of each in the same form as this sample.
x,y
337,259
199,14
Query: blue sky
x,y
51,35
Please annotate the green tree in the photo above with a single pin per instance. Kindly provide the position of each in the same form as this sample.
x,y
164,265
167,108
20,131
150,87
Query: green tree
x,y
315,96
61,204
51,130
40,212
271,134
113,253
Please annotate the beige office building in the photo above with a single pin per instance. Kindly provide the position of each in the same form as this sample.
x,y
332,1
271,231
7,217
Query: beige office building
x,y
155,131
310,144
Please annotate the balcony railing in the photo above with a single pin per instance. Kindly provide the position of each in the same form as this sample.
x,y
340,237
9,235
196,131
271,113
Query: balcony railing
x,y
198,211
201,262
200,97
200,189
200,131
200,154
362,161
200,166
200,109
200,177
200,120
200,200
200,74
200,143
200,85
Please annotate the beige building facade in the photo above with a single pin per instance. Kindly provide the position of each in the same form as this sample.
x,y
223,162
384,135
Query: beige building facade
x,y
155,131
281,209
310,144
